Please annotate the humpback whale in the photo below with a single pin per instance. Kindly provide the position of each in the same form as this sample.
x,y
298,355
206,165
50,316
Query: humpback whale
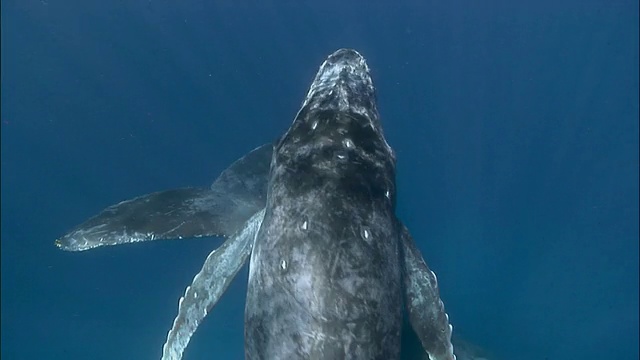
x,y
332,269
331,263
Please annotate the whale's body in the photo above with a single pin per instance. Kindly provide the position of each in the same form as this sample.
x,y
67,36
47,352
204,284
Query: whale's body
x,y
332,269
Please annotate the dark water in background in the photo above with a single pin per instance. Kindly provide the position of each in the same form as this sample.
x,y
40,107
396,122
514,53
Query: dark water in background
x,y
515,126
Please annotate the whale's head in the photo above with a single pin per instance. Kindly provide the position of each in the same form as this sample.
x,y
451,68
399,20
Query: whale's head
x,y
337,132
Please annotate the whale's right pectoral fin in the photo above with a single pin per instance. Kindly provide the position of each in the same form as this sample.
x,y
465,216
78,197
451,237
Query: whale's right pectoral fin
x,y
208,285
238,193
426,311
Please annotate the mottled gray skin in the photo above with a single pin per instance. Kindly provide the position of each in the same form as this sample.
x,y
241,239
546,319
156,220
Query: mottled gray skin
x,y
325,272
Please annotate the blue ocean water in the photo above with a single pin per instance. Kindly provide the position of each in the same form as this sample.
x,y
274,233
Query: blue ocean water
x,y
515,125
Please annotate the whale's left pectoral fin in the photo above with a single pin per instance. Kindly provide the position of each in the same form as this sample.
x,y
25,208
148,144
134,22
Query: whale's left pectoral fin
x,y
170,214
426,311
208,285
239,192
